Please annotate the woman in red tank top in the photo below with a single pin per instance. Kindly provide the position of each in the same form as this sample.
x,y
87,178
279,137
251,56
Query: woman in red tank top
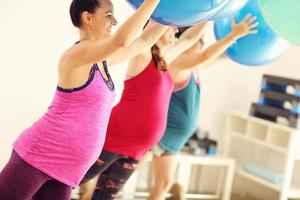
x,y
138,121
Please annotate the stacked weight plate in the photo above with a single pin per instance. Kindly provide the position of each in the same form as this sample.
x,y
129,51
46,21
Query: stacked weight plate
x,y
279,101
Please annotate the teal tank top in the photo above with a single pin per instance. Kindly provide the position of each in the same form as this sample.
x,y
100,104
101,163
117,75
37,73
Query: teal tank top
x,y
182,116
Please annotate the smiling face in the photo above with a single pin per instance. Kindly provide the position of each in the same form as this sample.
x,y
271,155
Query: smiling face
x,y
100,22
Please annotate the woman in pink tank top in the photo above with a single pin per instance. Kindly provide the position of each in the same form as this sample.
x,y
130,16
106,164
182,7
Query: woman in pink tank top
x,y
54,153
139,120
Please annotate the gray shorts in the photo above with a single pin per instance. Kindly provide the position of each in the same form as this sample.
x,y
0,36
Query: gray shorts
x,y
159,151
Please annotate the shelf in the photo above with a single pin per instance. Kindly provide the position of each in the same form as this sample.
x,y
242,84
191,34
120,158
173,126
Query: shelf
x,y
249,138
247,117
259,142
294,193
296,137
279,137
237,124
258,180
218,160
257,130
186,196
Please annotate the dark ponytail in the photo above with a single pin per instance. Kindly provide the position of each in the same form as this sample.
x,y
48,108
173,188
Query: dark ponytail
x,y
158,59
79,6
156,55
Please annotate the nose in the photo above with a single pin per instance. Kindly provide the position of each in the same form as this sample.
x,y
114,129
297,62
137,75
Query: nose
x,y
114,21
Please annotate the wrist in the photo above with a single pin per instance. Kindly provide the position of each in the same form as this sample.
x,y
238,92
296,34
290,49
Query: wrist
x,y
233,36
157,1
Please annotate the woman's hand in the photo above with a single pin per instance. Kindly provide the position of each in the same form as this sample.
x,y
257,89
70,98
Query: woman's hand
x,y
245,27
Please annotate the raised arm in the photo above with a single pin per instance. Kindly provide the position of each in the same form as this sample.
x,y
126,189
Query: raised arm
x,y
205,58
149,37
186,40
93,51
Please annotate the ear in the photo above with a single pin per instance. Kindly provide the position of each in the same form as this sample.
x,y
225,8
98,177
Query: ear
x,y
86,18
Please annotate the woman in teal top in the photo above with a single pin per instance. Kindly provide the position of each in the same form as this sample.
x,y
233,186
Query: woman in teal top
x,y
184,105
182,115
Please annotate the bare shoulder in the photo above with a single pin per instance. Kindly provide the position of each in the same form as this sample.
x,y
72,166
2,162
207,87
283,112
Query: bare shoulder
x,y
66,57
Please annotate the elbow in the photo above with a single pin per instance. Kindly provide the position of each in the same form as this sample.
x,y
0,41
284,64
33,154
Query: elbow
x,y
205,56
205,59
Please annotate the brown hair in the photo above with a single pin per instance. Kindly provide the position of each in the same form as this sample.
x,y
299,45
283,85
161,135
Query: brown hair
x,y
77,7
158,59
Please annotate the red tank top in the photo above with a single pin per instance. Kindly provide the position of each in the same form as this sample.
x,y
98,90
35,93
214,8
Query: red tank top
x,y
139,120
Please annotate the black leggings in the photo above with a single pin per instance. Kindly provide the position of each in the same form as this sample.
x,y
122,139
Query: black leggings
x,y
20,181
114,170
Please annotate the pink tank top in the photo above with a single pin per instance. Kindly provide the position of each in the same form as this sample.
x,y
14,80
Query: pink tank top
x,y
139,120
69,137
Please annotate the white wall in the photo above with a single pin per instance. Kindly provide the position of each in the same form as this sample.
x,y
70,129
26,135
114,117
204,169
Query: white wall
x,y
35,32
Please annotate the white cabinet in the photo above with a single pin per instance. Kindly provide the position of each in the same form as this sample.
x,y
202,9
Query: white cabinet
x,y
268,145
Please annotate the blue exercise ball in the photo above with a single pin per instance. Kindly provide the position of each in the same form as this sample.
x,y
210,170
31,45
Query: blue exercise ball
x,y
183,12
231,7
253,50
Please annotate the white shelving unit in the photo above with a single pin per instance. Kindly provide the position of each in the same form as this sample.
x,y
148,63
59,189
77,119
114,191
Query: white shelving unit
x,y
266,144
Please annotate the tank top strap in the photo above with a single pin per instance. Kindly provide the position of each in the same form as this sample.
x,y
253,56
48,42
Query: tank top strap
x,y
109,81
